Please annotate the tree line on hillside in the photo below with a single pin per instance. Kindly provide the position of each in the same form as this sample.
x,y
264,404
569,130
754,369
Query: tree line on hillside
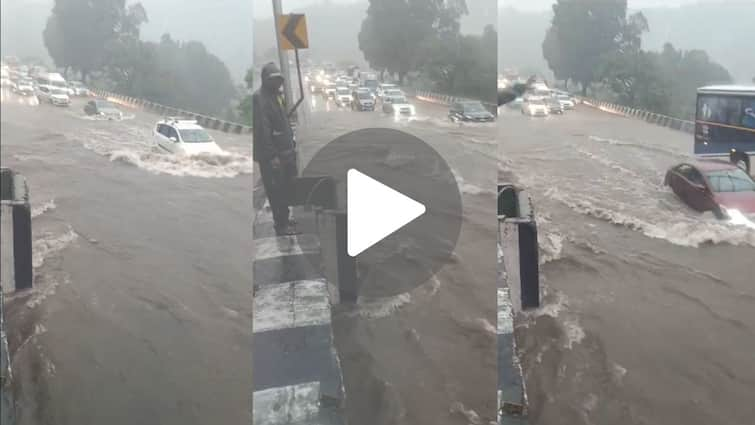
x,y
597,46
421,39
100,41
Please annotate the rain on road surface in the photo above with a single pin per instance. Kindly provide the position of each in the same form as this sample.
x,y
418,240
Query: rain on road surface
x,y
648,315
426,357
141,308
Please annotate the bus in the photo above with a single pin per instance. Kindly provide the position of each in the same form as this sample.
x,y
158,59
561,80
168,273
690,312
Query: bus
x,y
725,123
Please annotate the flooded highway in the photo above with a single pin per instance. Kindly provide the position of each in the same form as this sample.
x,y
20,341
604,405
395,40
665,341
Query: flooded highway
x,y
647,315
140,311
426,356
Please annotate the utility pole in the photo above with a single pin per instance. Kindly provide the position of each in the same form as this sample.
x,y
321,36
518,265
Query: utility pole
x,y
283,57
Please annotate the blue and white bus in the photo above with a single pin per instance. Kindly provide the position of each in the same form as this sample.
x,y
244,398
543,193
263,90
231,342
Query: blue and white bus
x,y
725,123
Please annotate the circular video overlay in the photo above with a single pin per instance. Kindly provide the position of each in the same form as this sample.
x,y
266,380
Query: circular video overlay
x,y
403,207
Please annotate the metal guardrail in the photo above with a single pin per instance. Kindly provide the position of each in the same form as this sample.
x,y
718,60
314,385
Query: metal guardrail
x,y
204,120
647,116
444,99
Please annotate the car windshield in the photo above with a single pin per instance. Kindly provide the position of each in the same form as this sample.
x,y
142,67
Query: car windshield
x,y
343,91
364,95
563,97
195,135
371,83
536,102
58,91
734,180
398,99
101,104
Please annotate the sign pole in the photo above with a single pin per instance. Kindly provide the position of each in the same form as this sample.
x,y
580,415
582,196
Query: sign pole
x,y
283,57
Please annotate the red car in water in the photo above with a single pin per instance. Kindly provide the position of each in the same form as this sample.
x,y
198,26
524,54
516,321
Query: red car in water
x,y
715,186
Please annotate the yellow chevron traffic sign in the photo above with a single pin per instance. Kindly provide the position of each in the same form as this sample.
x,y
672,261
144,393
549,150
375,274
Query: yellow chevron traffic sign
x,y
292,31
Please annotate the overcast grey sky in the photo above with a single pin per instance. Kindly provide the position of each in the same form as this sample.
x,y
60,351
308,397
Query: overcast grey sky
x,y
264,8
533,5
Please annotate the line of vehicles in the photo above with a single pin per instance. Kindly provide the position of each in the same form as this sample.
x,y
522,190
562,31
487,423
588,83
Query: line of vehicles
x,y
363,92
175,135
47,87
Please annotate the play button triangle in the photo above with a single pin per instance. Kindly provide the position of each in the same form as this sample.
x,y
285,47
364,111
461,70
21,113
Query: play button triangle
x,y
374,211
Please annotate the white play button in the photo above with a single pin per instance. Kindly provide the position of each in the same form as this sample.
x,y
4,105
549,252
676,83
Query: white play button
x,y
374,211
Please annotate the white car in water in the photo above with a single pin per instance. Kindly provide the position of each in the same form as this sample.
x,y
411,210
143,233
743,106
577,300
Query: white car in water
x,y
184,137
565,101
55,95
398,106
343,96
535,107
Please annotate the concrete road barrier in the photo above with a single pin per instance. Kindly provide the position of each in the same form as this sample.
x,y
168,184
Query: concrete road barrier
x,y
518,289
296,369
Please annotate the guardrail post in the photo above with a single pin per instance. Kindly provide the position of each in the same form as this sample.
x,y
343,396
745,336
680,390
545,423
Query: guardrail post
x,y
518,236
16,217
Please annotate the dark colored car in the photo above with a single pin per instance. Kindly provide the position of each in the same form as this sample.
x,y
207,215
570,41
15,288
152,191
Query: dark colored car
x,y
715,186
103,108
471,111
362,101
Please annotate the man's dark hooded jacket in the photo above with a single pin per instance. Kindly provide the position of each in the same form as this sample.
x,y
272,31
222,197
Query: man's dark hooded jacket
x,y
272,131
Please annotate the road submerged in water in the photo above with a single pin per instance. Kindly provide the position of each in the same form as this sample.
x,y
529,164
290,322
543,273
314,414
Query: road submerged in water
x,y
141,307
648,311
426,357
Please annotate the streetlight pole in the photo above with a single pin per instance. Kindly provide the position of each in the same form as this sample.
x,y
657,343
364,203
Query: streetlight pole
x,y
283,57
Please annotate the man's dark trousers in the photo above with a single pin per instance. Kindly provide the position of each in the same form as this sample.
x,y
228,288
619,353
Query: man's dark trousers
x,y
280,188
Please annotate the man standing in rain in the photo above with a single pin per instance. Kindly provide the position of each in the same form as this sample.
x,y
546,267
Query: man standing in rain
x,y
274,147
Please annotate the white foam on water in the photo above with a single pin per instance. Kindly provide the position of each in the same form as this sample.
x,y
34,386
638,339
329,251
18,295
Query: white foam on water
x,y
50,244
618,372
574,333
41,209
471,189
41,292
551,246
381,307
137,151
472,417
674,227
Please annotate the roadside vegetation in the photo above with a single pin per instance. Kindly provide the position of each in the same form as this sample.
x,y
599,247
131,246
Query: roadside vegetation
x,y
419,42
99,43
596,47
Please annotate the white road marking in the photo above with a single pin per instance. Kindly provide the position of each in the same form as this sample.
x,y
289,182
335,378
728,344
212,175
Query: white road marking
x,y
291,305
290,405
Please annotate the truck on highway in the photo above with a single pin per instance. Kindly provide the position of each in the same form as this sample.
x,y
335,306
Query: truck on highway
x,y
725,124
369,80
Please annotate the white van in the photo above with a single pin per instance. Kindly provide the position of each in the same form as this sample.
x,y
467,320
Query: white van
x,y
52,87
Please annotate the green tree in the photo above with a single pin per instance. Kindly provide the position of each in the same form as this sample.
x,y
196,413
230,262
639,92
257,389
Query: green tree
x,y
78,32
584,32
245,107
665,82
395,33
